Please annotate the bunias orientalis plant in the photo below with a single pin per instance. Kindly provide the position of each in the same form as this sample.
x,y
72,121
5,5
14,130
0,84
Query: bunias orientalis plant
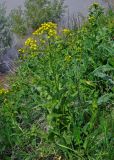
x,y
42,38
70,87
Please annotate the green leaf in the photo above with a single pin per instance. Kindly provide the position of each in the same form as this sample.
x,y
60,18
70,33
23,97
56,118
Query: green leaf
x,y
104,68
111,61
105,98
68,138
77,135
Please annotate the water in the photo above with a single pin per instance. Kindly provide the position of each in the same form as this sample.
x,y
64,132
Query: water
x,y
11,4
76,6
73,5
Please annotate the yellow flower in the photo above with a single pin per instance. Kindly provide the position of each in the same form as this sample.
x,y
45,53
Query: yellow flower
x,y
91,19
21,50
30,42
4,91
68,58
46,28
66,31
33,47
40,37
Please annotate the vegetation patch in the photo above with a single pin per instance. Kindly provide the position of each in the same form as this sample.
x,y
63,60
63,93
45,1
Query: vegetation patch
x,y
60,102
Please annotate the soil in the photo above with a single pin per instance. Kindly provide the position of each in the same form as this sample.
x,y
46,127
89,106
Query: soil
x,y
3,81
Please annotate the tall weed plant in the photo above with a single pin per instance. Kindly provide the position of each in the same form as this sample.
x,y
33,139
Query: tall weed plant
x,y
60,104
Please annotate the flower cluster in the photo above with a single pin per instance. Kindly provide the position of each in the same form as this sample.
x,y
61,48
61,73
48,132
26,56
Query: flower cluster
x,y
91,20
21,50
40,38
47,28
66,31
32,43
3,91
68,58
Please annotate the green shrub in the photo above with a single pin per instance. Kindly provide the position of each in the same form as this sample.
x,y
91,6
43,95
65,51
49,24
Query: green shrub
x,y
40,11
36,12
18,21
5,34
